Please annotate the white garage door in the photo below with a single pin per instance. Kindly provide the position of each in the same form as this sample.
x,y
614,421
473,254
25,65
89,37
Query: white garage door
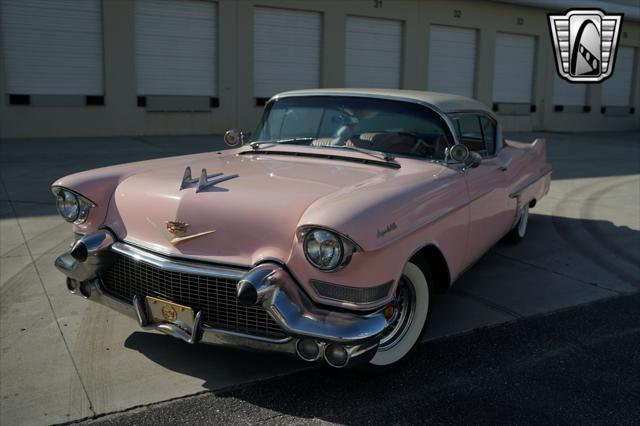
x,y
286,50
373,53
452,60
176,47
52,47
568,94
513,68
616,91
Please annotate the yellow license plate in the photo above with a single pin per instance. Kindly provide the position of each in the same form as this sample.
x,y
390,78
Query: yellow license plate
x,y
174,313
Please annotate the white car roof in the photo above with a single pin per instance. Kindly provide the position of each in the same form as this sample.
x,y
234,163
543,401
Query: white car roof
x,y
445,102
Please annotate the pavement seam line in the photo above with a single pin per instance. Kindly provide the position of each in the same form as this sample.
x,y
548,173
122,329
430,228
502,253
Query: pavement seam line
x,y
53,312
34,260
25,242
215,392
486,302
533,265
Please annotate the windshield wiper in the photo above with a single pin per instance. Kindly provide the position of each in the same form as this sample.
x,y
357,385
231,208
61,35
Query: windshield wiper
x,y
256,144
383,155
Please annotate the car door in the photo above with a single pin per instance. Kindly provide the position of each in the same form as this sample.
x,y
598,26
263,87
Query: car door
x,y
489,215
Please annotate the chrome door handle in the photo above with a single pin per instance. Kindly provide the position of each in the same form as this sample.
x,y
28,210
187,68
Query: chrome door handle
x,y
502,168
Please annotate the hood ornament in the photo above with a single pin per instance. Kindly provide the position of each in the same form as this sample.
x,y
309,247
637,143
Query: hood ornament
x,y
203,182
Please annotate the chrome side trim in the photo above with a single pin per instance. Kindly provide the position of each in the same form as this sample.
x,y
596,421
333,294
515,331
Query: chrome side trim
x,y
519,192
175,265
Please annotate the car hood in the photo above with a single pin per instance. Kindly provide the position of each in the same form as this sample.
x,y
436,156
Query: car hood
x,y
242,220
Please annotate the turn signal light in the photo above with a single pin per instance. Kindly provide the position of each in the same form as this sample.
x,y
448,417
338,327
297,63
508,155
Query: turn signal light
x,y
389,310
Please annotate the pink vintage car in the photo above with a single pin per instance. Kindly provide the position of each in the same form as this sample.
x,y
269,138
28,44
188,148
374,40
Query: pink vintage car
x,y
324,235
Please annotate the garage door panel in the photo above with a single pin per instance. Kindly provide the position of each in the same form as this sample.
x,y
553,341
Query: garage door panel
x,y
373,52
286,50
513,68
453,65
362,59
277,70
283,36
373,41
287,54
616,91
52,48
452,60
176,47
568,94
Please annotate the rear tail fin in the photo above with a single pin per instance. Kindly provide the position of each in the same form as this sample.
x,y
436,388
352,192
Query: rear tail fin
x,y
540,145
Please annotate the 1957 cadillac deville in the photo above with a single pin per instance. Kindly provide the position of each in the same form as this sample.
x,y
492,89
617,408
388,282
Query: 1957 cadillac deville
x,y
325,234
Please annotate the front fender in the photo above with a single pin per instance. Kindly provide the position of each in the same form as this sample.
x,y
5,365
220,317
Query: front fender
x,y
390,223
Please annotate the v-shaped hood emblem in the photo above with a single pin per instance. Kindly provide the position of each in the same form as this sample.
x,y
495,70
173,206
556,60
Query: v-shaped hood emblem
x,y
176,227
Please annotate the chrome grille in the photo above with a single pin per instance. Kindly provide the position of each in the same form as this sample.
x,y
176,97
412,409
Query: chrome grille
x,y
214,297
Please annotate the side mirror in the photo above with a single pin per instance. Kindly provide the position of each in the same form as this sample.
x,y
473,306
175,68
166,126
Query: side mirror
x,y
473,160
458,152
234,137
461,154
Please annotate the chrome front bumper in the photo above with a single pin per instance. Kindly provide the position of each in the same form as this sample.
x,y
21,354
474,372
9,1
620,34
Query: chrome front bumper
x,y
305,324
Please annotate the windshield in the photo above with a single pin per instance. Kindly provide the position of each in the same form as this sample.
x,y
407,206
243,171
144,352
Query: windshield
x,y
393,127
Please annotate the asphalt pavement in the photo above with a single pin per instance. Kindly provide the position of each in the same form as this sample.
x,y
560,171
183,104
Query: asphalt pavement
x,y
578,366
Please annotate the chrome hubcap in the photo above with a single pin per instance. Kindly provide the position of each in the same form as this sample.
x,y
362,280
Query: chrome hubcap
x,y
405,307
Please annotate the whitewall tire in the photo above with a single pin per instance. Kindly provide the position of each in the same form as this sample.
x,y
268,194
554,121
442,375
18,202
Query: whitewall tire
x,y
413,298
518,233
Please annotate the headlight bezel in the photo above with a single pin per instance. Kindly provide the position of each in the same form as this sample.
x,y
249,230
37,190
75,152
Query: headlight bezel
x,y
83,205
347,247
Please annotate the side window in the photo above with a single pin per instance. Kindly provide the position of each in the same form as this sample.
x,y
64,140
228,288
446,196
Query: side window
x,y
470,133
489,134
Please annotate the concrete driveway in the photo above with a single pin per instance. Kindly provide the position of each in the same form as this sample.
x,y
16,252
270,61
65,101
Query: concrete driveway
x,y
64,359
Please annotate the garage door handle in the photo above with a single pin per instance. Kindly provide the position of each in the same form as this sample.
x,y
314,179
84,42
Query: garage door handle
x,y
502,168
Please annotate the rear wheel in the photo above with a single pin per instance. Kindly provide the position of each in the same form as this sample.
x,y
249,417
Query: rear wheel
x,y
518,233
412,305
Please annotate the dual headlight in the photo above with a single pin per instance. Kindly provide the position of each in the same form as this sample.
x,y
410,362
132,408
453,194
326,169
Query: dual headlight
x,y
71,206
325,249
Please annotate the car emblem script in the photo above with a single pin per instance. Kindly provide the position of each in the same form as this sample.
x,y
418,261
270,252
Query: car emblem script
x,y
177,227
585,43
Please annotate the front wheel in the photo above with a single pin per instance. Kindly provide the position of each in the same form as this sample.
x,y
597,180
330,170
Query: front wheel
x,y
412,304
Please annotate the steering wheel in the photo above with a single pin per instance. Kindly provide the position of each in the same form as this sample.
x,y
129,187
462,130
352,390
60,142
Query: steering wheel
x,y
421,146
